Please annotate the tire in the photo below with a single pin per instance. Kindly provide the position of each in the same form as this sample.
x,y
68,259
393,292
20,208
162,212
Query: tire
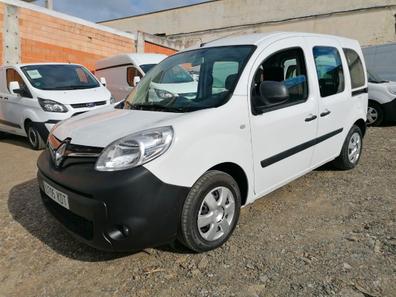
x,y
375,114
34,137
351,150
214,202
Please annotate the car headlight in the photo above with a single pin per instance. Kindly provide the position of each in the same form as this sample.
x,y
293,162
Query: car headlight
x,y
51,105
164,94
112,100
392,90
135,149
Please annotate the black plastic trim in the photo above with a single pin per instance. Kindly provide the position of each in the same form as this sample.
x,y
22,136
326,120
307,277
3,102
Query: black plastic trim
x,y
358,92
390,110
134,198
298,148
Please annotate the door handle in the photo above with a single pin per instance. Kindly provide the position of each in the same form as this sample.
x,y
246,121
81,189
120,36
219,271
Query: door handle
x,y
311,118
325,113
5,98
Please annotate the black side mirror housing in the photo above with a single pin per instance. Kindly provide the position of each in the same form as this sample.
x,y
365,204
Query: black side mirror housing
x,y
272,94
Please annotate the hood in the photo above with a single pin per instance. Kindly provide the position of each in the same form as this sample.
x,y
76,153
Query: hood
x,y
68,97
98,128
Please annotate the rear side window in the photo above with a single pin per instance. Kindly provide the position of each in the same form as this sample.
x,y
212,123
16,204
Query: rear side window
x,y
355,68
131,73
330,72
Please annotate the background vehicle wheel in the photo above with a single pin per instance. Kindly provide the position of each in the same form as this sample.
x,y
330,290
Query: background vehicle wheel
x,y
210,212
351,150
375,114
34,137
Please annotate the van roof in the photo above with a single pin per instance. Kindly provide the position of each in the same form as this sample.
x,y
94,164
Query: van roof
x,y
262,38
137,59
33,64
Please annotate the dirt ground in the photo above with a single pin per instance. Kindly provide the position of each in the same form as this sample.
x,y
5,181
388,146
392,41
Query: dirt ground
x,y
330,233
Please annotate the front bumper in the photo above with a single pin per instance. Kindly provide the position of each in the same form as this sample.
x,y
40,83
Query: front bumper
x,y
102,204
390,110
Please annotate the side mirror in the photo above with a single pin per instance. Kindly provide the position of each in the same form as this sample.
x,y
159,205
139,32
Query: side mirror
x,y
15,88
272,94
136,80
103,81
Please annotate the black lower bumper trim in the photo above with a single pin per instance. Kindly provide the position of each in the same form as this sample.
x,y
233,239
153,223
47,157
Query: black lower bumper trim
x,y
101,203
390,110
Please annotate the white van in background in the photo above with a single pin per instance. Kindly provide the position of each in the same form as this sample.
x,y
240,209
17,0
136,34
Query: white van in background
x,y
34,97
123,72
382,100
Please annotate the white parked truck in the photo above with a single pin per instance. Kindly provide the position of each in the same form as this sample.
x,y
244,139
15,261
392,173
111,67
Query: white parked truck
x,y
35,97
123,72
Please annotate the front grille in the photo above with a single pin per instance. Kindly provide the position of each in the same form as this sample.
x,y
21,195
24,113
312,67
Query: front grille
x,y
88,105
71,221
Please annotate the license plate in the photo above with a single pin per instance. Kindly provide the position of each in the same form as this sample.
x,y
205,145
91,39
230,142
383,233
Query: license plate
x,y
57,196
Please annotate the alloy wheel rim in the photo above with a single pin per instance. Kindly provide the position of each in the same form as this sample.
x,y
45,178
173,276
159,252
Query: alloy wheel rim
x,y
372,115
354,147
216,214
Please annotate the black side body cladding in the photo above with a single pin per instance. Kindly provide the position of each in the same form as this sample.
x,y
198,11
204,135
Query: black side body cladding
x,y
297,149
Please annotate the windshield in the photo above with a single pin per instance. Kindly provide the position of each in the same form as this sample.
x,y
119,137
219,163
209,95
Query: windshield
x,y
374,77
192,80
59,77
147,67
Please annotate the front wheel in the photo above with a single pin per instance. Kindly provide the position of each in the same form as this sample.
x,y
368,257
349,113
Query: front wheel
x,y
210,212
351,150
375,114
34,137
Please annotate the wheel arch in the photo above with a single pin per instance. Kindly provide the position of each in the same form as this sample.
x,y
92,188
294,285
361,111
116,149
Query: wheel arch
x,y
362,125
238,174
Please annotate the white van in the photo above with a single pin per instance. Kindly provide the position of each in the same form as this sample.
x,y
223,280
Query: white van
x,y
382,100
123,72
34,97
268,108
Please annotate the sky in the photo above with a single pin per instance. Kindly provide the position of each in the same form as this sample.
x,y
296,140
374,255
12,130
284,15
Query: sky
x,y
101,10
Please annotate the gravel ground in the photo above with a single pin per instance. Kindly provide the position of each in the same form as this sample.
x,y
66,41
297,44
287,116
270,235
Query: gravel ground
x,y
330,233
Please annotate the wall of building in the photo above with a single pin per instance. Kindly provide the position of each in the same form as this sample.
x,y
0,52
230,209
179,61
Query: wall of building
x,y
371,22
33,34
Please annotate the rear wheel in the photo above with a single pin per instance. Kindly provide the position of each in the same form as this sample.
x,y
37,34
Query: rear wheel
x,y
34,137
375,114
210,212
351,150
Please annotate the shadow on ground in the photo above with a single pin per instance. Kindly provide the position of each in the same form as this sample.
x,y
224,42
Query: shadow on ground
x,y
26,207
16,140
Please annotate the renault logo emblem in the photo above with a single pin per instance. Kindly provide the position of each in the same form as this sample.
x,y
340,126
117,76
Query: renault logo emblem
x,y
59,154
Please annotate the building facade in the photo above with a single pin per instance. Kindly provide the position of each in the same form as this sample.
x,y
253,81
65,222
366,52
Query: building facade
x,y
371,22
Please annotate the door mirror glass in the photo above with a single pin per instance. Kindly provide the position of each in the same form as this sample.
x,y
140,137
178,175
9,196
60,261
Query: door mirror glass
x,y
15,88
136,80
103,81
272,93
